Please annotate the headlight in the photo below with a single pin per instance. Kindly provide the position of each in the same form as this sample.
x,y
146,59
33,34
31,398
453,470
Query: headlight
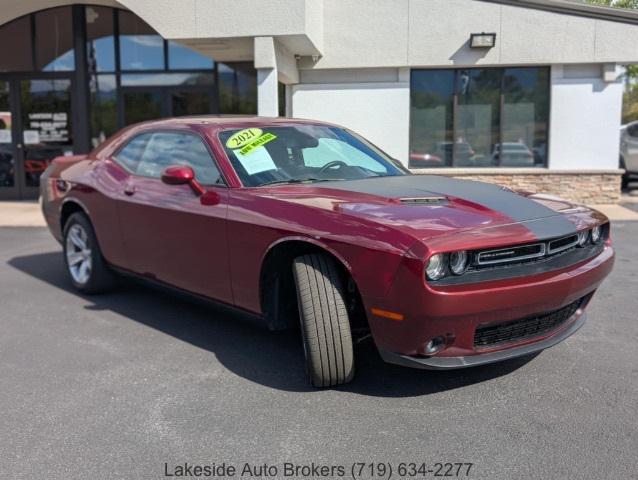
x,y
596,234
458,262
436,267
583,237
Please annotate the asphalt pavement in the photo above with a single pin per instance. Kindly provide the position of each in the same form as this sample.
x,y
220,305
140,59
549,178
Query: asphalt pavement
x,y
137,383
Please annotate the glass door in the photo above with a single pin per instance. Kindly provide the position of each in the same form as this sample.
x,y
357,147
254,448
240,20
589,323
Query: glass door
x,y
8,183
45,127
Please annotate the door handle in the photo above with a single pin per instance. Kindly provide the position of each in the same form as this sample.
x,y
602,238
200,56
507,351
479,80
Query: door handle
x,y
129,190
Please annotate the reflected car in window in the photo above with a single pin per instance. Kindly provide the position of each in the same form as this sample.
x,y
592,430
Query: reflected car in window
x,y
512,155
629,152
306,224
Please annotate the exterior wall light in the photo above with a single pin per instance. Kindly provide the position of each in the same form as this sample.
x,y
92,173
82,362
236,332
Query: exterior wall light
x,y
482,40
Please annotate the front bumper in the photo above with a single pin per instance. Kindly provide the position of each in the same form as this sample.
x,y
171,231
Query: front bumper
x,y
451,363
456,312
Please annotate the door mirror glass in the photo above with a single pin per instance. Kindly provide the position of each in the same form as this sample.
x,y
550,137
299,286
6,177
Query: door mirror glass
x,y
178,175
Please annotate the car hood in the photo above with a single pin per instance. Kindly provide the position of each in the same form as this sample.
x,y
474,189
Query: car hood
x,y
430,205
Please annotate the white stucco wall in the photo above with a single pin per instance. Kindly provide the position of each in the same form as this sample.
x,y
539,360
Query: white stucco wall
x,y
379,111
584,120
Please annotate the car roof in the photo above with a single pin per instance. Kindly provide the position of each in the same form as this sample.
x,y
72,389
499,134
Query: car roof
x,y
227,121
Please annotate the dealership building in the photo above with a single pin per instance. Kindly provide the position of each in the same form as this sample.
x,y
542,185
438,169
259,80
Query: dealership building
x,y
525,93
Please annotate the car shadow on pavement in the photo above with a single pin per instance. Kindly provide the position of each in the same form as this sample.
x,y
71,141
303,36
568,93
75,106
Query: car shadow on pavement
x,y
273,359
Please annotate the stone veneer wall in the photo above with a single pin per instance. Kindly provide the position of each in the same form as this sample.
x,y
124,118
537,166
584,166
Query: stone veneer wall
x,y
589,187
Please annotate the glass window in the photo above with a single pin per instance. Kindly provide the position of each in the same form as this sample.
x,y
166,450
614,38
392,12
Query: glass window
x,y
103,107
167,79
171,148
476,122
140,105
100,40
303,153
141,48
237,88
432,103
479,117
525,117
191,102
7,162
129,156
15,46
181,57
54,40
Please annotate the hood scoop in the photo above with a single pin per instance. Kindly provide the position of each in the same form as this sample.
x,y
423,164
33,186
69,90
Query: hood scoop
x,y
425,200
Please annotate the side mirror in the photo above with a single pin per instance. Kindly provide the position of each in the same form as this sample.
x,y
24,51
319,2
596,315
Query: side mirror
x,y
182,175
178,175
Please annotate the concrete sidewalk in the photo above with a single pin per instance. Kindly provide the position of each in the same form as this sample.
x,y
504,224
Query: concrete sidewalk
x,y
28,214
21,214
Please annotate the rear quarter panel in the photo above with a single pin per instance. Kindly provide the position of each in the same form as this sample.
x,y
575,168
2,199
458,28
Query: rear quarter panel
x,y
94,185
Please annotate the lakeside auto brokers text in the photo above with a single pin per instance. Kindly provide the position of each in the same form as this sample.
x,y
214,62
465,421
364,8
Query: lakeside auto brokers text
x,y
354,470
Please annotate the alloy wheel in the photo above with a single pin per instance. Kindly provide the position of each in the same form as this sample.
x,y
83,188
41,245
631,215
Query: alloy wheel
x,y
79,256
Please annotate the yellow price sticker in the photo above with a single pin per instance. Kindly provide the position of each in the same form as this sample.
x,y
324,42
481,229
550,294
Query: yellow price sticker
x,y
243,137
260,142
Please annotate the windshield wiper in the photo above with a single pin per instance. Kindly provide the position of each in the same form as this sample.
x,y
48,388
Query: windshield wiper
x,y
297,180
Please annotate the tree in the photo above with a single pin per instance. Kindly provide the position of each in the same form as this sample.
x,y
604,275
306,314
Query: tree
x,y
630,97
616,3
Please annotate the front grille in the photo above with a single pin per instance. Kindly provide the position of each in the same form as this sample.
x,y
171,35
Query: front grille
x,y
503,255
524,253
527,327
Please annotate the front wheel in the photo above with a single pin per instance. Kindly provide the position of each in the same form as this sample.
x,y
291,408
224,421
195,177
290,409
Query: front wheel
x,y
325,327
88,271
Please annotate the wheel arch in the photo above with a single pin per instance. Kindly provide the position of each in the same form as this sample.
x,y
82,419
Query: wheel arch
x,y
68,208
276,284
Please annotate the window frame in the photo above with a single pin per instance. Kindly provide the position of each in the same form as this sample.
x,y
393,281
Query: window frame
x,y
153,131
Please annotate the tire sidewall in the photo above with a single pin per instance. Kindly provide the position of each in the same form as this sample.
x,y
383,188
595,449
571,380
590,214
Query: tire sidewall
x,y
91,285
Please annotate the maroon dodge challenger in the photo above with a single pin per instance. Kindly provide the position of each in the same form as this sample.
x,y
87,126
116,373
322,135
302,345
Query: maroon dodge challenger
x,y
303,222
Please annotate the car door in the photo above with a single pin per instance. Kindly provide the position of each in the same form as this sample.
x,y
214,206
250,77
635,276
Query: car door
x,y
168,234
630,147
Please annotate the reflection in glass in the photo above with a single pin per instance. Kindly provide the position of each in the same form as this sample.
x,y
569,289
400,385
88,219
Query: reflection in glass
x,y
432,104
103,108
15,46
7,162
100,41
181,57
476,124
141,105
525,117
167,79
237,88
54,40
46,119
190,103
479,117
141,48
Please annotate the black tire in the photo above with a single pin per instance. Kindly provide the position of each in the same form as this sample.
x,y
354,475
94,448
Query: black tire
x,y
624,184
100,278
325,328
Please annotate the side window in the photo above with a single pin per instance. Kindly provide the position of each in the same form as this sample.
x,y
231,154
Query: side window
x,y
172,148
632,130
129,156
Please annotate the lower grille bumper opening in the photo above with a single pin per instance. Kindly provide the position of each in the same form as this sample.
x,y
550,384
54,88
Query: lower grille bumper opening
x,y
491,335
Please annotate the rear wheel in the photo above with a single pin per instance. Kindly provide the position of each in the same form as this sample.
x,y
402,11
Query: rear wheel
x,y
625,177
86,266
325,326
